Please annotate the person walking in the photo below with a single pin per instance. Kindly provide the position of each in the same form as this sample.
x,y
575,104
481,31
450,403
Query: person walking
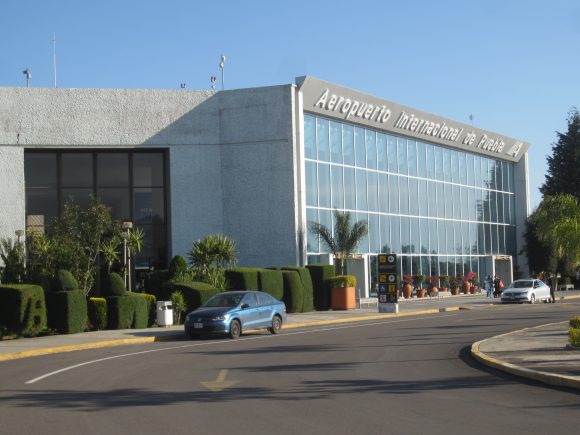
x,y
489,285
550,283
497,286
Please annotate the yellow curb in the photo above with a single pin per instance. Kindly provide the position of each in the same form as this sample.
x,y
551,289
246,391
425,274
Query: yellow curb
x,y
536,375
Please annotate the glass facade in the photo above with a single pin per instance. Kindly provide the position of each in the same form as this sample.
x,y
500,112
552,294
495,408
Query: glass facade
x,y
443,211
132,183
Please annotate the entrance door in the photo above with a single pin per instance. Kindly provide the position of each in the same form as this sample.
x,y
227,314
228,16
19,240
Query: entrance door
x,y
503,267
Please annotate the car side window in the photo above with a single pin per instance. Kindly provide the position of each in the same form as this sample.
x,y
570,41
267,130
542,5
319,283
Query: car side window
x,y
264,299
250,299
536,285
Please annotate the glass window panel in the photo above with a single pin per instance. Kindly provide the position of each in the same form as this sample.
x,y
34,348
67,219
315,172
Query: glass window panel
x,y
448,195
424,249
359,147
486,204
441,236
511,240
425,266
361,190
512,210
392,153
430,161
413,197
382,152
432,195
80,196
323,185
385,234
118,200
406,265
348,144
404,195
154,251
499,175
481,239
421,160
311,184
415,264
469,169
149,205
501,239
349,189
473,238
511,177
42,204
371,143
506,208
393,194
311,240
40,170
363,246
383,193
499,197
456,200
395,234
464,206
113,170
77,170
477,171
415,236
438,163
326,219
402,155
450,237
337,188
454,167
405,235
374,234
479,195
433,241
440,200
310,137
322,139
148,170
493,206
423,199
446,164
412,157
434,264
471,208
335,142
495,239
465,245
373,191
462,167
442,265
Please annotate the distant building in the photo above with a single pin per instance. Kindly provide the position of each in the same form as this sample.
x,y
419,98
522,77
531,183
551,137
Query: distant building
x,y
259,164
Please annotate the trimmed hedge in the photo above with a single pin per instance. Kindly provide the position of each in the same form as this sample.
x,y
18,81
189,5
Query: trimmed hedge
x,y
177,266
308,294
575,322
574,337
293,291
321,291
271,282
64,281
243,278
22,309
342,281
126,312
66,311
97,312
195,293
151,307
115,285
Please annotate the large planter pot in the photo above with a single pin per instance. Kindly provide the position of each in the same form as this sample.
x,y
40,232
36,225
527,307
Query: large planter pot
x,y
466,288
420,292
433,291
455,291
407,291
473,289
343,298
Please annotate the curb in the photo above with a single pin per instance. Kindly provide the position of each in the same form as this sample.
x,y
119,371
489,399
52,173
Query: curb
x,y
536,375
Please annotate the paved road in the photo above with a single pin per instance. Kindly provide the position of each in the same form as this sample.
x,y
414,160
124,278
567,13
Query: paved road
x,y
406,375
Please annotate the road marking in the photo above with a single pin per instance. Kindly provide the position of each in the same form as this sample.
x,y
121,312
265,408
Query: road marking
x,y
209,343
220,383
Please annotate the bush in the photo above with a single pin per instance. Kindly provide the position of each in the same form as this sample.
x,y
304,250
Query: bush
x,y
179,306
151,307
271,281
177,267
574,336
293,291
243,278
115,285
575,322
67,311
321,291
140,311
97,312
195,293
22,309
342,281
308,297
125,312
64,281
155,282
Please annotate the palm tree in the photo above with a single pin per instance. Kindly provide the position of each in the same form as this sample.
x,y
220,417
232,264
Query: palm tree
x,y
345,239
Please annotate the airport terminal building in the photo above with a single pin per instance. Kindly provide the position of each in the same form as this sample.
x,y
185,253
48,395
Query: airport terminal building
x,y
259,164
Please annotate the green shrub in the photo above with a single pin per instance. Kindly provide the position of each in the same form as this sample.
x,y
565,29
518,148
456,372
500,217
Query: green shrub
x,y
293,291
140,311
574,336
271,281
195,293
575,322
67,311
177,267
115,285
22,309
342,281
319,274
243,278
64,281
97,312
308,294
155,282
179,306
128,311
151,307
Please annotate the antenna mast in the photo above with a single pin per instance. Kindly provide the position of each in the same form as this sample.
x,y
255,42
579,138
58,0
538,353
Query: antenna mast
x,y
54,57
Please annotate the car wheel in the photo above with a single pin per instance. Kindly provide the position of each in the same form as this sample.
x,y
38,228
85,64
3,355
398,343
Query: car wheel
x,y
533,299
276,325
235,329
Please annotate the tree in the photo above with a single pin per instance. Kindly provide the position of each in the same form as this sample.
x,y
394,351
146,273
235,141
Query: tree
x,y
540,252
210,256
563,174
345,239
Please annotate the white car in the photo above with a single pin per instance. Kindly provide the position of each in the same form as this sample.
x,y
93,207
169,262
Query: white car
x,y
526,290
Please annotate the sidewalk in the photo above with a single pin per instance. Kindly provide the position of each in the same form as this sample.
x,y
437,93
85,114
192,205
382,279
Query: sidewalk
x,y
536,353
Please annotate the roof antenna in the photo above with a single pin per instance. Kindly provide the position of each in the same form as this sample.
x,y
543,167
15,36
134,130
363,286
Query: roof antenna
x,y
28,75
54,57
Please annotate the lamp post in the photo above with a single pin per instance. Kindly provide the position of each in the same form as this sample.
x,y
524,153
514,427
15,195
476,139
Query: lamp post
x,y
19,233
127,225
28,75
222,64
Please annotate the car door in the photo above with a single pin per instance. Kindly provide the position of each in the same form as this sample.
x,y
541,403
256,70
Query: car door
x,y
542,290
249,315
265,309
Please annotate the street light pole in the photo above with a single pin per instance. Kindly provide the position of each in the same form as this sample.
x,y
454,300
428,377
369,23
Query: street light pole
x,y
127,225
222,64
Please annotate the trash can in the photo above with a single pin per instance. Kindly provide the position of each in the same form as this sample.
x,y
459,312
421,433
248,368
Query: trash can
x,y
164,313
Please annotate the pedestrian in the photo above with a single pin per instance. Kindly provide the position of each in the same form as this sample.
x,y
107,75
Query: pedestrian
x,y
489,285
497,285
550,283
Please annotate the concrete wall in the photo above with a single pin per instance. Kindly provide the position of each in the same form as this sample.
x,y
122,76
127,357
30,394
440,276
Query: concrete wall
x,y
522,204
11,191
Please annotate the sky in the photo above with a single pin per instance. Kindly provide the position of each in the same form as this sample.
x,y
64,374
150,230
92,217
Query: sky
x,y
514,65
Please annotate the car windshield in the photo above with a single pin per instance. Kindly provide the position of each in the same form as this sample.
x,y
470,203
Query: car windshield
x,y
521,284
224,300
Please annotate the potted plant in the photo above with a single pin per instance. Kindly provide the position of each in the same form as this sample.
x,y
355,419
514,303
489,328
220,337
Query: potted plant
x,y
454,283
467,282
433,281
407,286
342,296
474,283
418,280
443,282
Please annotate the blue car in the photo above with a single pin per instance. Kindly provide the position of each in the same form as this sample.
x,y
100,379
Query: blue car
x,y
232,312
